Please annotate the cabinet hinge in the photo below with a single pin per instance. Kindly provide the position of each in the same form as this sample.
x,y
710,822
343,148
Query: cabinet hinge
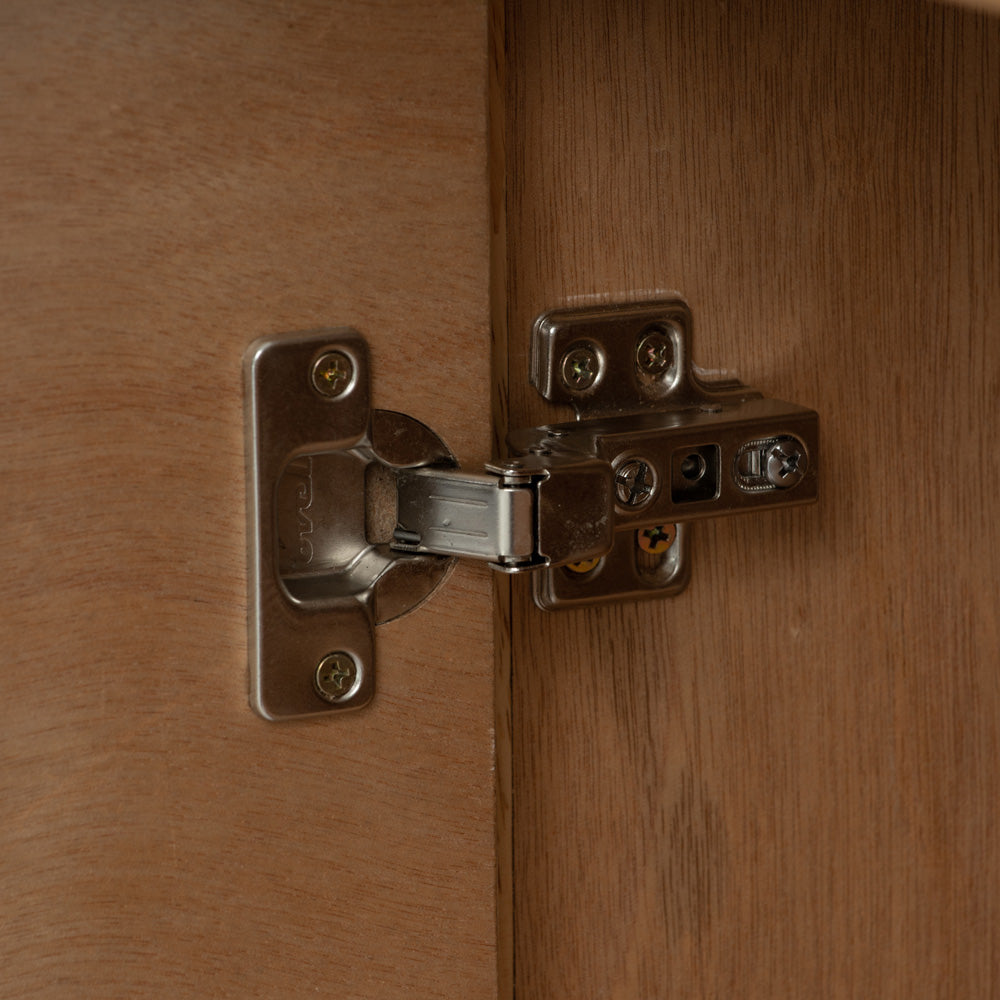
x,y
356,515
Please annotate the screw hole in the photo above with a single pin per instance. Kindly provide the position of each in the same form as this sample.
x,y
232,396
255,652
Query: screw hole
x,y
693,467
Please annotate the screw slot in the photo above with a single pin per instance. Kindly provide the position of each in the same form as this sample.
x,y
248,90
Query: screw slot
x,y
333,374
635,482
581,366
584,567
656,540
785,462
338,677
654,353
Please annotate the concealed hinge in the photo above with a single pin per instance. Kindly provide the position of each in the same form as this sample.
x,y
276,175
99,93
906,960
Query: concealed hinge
x,y
357,515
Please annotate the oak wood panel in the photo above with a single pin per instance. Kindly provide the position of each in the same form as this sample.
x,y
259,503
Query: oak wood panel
x,y
179,178
784,782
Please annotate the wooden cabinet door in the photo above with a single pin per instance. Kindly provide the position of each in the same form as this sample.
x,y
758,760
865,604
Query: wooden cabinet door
x,y
178,179
784,782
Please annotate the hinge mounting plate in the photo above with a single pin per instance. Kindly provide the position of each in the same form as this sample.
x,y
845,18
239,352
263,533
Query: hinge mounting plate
x,y
695,448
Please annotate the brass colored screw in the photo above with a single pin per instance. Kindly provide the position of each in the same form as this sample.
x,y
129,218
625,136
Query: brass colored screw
x,y
583,566
332,374
655,353
658,539
337,677
580,367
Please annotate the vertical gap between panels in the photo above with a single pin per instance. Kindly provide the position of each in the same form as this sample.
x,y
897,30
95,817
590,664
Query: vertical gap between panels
x,y
502,624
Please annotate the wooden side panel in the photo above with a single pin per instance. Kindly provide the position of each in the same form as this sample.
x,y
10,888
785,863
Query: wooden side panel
x,y
784,782
179,178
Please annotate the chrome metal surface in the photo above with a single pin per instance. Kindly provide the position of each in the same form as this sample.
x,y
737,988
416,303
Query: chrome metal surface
x,y
682,448
575,512
356,515
464,514
633,379
541,510
694,452
319,577
770,464
786,462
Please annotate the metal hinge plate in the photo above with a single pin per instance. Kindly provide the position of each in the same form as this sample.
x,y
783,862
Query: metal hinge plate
x,y
681,448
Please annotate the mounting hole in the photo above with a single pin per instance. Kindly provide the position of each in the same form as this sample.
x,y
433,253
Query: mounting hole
x,y
694,473
693,467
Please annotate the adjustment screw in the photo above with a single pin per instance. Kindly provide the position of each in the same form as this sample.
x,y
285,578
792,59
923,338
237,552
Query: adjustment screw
x,y
584,566
332,374
338,676
785,462
580,368
658,539
634,482
655,353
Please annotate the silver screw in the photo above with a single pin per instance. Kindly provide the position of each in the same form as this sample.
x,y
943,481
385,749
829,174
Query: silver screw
x,y
655,353
785,462
332,374
338,676
635,481
580,368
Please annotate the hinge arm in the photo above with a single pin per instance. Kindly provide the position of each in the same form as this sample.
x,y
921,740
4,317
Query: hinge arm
x,y
518,515
445,512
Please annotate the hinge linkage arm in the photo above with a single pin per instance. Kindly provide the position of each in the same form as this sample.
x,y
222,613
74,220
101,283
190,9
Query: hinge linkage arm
x,y
518,515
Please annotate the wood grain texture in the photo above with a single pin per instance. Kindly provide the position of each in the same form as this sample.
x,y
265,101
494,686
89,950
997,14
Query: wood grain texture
x,y
498,183
179,178
784,782
993,6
